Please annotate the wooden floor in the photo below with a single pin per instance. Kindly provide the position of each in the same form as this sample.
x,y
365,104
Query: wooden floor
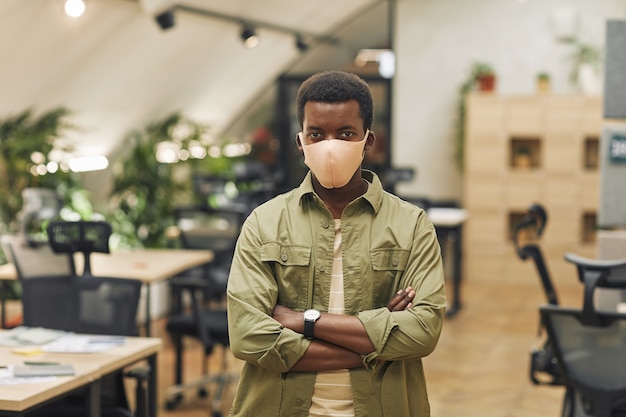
x,y
480,366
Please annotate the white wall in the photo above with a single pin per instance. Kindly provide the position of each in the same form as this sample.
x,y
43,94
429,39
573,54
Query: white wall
x,y
436,42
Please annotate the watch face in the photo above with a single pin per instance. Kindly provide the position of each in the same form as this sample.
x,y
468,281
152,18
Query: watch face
x,y
311,315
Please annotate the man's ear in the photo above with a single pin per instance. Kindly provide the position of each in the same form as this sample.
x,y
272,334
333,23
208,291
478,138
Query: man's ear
x,y
369,141
298,142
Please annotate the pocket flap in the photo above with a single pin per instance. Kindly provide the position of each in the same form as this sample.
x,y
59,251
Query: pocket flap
x,y
389,259
285,254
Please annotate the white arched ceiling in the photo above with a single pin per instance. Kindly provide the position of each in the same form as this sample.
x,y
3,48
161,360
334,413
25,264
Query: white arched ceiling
x,y
116,70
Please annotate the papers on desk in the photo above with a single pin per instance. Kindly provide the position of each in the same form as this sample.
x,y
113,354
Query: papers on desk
x,y
43,370
72,343
56,341
7,378
28,336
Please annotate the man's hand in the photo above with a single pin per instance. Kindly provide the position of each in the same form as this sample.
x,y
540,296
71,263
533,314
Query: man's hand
x,y
289,318
402,300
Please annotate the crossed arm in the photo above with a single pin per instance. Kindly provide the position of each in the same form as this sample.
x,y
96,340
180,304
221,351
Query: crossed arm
x,y
340,340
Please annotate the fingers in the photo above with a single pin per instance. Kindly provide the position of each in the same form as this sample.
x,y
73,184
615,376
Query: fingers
x,y
402,300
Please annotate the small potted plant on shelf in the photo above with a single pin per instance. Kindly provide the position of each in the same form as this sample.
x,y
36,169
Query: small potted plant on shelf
x,y
481,77
543,82
484,77
522,157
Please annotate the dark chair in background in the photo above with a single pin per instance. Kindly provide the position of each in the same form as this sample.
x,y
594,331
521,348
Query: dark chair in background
x,y
526,234
93,305
203,316
590,345
85,237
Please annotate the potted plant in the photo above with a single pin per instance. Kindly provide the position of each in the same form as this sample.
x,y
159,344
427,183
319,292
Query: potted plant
x,y
27,141
481,77
522,157
586,72
543,82
484,77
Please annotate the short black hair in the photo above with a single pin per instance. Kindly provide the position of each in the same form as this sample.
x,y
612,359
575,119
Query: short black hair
x,y
337,86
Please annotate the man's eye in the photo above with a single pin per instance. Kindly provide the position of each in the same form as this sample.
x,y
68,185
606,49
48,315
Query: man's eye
x,y
347,134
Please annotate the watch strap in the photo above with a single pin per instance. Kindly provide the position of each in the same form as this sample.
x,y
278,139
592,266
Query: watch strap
x,y
309,329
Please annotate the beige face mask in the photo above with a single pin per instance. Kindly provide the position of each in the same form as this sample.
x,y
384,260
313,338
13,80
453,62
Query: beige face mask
x,y
333,161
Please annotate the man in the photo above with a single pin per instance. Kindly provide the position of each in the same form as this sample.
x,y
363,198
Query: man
x,y
336,289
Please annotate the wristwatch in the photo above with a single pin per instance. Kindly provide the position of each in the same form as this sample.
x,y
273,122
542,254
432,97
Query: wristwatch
x,y
310,317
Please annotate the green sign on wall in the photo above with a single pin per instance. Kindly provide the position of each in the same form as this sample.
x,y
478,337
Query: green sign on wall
x,y
617,148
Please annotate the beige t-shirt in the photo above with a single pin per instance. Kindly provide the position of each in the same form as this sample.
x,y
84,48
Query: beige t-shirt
x,y
332,395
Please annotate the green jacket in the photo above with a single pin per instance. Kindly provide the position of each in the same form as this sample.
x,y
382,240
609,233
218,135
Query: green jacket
x,y
284,256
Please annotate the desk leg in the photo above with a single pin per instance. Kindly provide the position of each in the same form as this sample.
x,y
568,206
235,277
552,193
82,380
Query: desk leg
x,y
456,271
93,406
148,319
152,386
3,302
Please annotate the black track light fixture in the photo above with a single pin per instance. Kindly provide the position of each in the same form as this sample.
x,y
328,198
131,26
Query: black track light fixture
x,y
165,19
249,37
301,44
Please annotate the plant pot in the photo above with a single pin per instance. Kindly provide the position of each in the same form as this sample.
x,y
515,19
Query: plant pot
x,y
486,83
522,161
543,86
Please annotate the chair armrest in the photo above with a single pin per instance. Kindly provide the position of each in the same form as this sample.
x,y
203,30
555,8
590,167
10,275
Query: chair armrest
x,y
595,264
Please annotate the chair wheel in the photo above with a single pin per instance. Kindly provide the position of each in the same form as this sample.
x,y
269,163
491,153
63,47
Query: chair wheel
x,y
203,392
172,403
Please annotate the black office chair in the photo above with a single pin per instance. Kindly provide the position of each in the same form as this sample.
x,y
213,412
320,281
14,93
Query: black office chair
x,y
205,319
543,363
93,305
592,359
85,237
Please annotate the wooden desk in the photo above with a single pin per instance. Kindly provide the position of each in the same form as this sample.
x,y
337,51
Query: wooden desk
x,y
146,265
448,223
16,400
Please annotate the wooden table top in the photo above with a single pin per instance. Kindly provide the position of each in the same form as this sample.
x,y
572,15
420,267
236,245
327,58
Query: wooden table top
x,y
146,265
88,367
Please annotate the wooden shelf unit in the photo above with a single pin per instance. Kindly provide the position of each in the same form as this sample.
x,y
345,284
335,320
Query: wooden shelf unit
x,y
558,138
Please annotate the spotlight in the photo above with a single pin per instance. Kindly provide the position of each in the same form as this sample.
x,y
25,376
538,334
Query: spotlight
x,y
249,37
301,44
74,8
165,20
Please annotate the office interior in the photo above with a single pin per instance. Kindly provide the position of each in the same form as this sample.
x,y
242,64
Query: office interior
x,y
226,114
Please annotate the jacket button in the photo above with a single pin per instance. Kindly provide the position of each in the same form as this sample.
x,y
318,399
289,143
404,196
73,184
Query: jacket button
x,y
395,261
284,257
325,225
322,268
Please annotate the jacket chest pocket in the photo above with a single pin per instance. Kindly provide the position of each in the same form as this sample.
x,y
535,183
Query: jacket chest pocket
x,y
387,265
291,265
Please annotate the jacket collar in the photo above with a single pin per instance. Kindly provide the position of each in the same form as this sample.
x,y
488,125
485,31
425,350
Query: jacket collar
x,y
373,195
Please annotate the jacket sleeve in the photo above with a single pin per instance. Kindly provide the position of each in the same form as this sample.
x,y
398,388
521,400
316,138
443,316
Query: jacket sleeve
x,y
412,333
252,293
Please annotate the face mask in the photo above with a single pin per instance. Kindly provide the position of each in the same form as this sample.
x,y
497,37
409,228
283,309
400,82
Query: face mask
x,y
333,161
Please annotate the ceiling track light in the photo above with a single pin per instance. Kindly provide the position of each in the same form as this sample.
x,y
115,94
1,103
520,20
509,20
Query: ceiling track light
x,y
165,19
249,37
301,45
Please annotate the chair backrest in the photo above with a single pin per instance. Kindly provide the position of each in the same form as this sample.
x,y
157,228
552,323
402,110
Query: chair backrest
x,y
214,229
95,305
592,357
81,236
594,273
206,228
32,259
534,222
